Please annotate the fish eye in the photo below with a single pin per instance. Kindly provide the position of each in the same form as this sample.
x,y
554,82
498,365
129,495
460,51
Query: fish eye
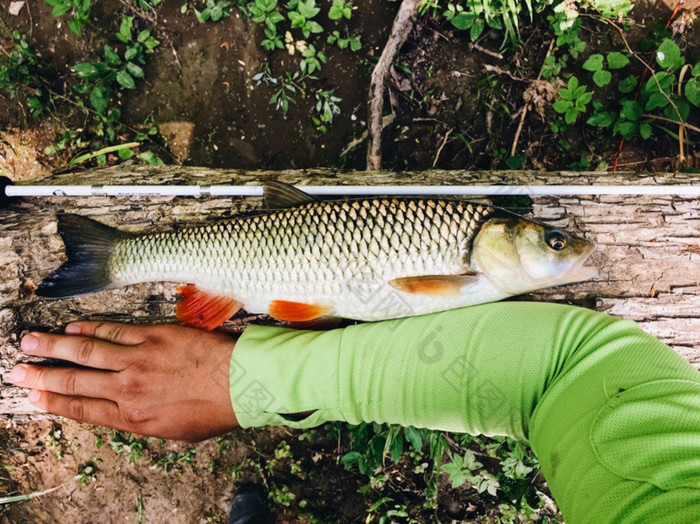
x,y
556,240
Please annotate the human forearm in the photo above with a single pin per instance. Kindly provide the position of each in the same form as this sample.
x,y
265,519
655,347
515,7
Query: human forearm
x,y
549,374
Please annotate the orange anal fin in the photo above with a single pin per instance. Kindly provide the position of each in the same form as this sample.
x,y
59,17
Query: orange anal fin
x,y
296,311
203,309
434,285
324,323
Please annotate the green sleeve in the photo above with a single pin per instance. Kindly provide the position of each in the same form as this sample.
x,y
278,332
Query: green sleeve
x,y
612,413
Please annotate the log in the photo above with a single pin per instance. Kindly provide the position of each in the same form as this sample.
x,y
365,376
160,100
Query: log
x,y
648,249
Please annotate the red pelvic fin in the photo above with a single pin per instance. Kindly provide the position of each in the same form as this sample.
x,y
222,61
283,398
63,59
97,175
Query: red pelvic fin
x,y
296,311
203,309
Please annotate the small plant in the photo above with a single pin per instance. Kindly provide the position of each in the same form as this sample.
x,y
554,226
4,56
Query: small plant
x,y
281,496
53,438
343,42
171,460
127,444
88,472
301,13
573,100
22,72
340,9
326,108
214,10
312,60
79,10
601,76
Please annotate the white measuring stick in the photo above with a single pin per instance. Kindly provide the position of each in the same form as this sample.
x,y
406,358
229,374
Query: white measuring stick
x,y
335,190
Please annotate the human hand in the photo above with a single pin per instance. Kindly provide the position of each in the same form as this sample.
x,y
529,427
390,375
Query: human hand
x,y
164,381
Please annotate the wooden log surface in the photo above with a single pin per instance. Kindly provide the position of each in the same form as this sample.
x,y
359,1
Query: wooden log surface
x,y
648,249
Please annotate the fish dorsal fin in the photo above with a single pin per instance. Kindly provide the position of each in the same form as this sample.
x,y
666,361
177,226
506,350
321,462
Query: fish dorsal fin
x,y
279,195
203,309
434,285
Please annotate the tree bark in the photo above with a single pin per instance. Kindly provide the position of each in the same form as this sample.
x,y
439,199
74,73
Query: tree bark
x,y
648,249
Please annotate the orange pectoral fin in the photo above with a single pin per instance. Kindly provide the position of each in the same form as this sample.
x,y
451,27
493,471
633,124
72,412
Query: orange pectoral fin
x,y
203,309
296,311
433,285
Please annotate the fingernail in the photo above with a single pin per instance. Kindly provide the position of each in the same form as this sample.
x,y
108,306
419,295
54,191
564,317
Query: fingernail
x,y
72,329
34,395
17,374
30,342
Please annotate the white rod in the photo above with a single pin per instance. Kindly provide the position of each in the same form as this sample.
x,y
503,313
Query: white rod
x,y
222,190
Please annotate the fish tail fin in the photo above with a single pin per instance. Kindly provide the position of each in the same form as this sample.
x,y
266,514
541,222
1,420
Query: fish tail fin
x,y
89,245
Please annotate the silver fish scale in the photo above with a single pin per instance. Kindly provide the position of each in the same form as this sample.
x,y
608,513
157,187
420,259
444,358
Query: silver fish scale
x,y
310,253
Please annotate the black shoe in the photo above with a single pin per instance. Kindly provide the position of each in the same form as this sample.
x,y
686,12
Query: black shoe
x,y
248,507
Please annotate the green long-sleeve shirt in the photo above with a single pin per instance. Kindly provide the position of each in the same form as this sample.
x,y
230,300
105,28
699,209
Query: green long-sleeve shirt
x,y
612,413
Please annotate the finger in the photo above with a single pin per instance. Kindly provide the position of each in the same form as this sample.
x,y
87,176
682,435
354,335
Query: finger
x,y
67,381
85,351
99,412
114,332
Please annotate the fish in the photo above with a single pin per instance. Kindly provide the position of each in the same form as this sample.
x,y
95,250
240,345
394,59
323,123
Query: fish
x,y
304,260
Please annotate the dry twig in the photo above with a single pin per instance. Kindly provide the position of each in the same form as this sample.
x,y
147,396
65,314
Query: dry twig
x,y
514,147
403,23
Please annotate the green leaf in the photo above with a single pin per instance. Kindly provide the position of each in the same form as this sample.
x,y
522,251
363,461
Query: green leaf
x,y
75,25
515,162
457,475
85,70
396,447
627,129
61,9
645,130
573,83
627,85
601,119
308,9
668,55
617,60
664,79
124,33
631,110
336,11
683,109
584,99
602,77
696,70
477,29
463,20
150,158
656,100
134,70
594,63
350,458
562,106
125,80
413,436
131,53
99,98
692,90
570,115
111,56
314,27
143,35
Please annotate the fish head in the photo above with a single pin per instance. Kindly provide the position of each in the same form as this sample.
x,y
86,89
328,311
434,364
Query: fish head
x,y
518,255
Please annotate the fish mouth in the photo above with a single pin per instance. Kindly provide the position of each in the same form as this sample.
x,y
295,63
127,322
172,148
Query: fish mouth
x,y
582,270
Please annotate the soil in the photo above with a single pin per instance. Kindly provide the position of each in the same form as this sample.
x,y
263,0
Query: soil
x,y
201,93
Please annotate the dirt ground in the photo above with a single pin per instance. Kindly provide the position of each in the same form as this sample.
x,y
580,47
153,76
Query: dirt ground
x,y
201,94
